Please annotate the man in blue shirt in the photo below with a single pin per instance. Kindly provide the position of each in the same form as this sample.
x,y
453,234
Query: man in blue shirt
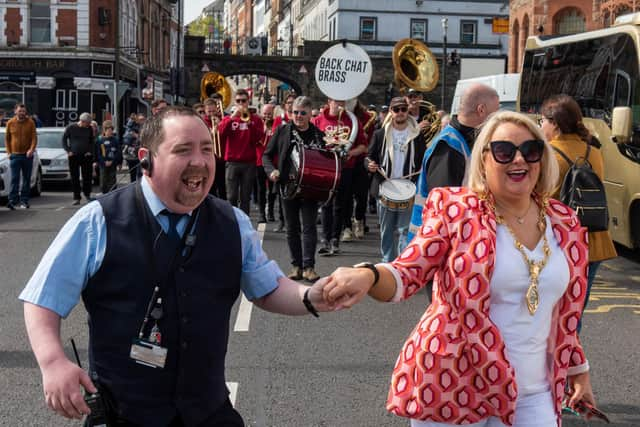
x,y
149,263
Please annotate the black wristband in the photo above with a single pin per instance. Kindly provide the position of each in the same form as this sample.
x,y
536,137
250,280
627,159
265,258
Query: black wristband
x,y
308,305
373,268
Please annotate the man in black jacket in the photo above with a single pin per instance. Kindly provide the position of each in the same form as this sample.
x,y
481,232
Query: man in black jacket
x,y
300,131
79,143
395,152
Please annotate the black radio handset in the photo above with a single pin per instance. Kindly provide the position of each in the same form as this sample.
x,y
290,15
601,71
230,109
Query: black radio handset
x,y
95,402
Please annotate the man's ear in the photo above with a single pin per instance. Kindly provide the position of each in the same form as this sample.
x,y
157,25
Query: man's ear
x,y
142,153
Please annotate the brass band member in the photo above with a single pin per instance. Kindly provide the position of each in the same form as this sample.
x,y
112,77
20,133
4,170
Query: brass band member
x,y
397,149
212,117
240,133
333,121
284,116
261,177
300,131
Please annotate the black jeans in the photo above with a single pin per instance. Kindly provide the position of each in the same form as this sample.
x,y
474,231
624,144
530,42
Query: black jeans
x,y
108,175
81,163
261,189
334,211
135,171
274,193
302,253
359,192
239,178
219,187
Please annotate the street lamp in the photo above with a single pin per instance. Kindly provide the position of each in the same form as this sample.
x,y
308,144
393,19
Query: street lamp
x,y
445,22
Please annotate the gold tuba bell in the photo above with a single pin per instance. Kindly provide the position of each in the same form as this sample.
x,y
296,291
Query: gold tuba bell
x,y
213,82
415,67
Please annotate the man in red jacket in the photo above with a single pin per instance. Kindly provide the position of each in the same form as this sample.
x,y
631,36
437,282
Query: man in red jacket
x,y
240,133
285,116
333,121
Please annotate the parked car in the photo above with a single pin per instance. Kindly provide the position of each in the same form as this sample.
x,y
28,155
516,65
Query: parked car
x,y
5,171
55,162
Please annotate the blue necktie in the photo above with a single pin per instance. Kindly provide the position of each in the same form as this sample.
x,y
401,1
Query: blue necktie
x,y
172,232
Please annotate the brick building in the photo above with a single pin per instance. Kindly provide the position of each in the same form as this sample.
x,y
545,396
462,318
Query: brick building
x,y
546,17
64,57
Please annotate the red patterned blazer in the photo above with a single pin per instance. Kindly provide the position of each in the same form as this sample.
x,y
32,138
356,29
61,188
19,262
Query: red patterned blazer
x,y
453,366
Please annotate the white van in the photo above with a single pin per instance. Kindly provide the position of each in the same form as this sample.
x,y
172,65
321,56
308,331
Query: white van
x,y
505,84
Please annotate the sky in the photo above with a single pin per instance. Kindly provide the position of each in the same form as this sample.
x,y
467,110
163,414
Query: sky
x,y
192,9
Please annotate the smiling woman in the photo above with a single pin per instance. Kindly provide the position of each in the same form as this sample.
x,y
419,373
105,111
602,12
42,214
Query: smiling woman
x,y
509,272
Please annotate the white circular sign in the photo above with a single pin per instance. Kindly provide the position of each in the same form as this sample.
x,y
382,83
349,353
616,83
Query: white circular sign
x,y
343,71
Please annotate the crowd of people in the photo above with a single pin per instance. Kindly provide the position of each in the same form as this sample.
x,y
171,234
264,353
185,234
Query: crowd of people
x,y
483,226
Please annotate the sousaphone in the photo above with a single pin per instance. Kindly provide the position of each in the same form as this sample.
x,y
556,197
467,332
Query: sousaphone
x,y
416,67
213,82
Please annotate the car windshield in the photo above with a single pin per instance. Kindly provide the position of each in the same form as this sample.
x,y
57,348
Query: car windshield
x,y
50,139
2,147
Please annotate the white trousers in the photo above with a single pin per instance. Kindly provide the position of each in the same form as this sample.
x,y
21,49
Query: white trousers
x,y
535,410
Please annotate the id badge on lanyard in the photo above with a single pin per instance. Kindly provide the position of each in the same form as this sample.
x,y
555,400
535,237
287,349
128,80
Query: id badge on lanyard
x,y
148,350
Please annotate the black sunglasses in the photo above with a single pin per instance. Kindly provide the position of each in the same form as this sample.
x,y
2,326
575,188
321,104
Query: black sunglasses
x,y
399,109
243,100
299,113
505,151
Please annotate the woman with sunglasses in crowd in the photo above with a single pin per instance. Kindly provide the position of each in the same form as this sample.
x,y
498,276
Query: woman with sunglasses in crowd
x,y
499,342
562,126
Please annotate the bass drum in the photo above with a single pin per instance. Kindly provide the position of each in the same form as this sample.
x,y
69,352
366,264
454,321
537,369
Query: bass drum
x,y
314,174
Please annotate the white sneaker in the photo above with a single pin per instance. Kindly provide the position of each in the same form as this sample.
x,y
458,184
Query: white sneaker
x,y
358,229
347,235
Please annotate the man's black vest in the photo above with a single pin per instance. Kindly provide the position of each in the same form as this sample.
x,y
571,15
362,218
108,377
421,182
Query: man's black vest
x,y
196,299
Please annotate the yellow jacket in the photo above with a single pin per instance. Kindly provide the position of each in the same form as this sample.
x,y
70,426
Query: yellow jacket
x,y
20,136
600,243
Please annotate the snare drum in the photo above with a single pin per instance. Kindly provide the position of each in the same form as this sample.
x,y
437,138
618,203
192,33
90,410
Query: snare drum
x,y
314,174
397,194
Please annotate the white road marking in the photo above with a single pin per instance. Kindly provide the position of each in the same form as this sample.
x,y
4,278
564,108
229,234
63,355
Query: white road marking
x,y
242,322
244,310
60,208
233,392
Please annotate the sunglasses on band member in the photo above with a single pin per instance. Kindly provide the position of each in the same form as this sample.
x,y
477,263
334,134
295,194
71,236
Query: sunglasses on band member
x,y
505,151
399,109
299,113
241,100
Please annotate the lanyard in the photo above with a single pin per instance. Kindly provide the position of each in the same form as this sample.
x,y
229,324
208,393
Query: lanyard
x,y
188,238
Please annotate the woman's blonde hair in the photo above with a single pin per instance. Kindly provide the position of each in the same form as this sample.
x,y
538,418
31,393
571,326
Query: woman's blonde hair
x,y
477,181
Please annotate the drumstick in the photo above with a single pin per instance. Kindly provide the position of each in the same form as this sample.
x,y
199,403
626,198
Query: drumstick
x,y
411,174
382,172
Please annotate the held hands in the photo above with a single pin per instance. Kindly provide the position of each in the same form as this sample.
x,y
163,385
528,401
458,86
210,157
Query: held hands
x,y
275,175
345,287
61,381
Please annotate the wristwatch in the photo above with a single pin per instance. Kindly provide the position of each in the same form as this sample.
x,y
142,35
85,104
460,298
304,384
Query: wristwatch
x,y
372,267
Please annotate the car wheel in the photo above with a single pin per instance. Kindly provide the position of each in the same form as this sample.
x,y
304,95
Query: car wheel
x,y
37,188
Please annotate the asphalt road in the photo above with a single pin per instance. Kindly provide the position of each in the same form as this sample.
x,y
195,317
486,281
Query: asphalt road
x,y
303,371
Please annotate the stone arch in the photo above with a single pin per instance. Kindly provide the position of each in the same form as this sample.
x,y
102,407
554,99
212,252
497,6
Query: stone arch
x,y
515,47
274,74
569,20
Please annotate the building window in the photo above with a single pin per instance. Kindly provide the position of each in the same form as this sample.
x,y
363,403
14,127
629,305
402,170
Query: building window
x,y
569,21
419,29
73,99
40,22
60,98
468,32
10,95
368,28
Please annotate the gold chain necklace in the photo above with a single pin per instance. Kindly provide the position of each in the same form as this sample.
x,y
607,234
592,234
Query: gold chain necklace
x,y
532,297
519,219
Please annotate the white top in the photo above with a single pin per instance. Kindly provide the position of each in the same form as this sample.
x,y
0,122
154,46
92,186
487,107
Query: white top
x,y
525,336
400,146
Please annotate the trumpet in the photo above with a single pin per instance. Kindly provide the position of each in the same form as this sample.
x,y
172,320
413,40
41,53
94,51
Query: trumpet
x,y
245,116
